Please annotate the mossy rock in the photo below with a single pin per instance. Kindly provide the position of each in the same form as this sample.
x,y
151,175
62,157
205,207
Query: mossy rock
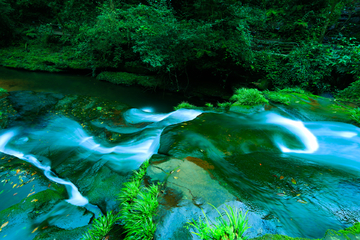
x,y
129,79
52,233
246,109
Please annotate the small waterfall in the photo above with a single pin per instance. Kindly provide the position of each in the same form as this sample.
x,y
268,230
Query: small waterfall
x,y
75,197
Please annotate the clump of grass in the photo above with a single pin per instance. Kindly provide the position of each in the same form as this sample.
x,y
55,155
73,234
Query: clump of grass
x,y
352,230
277,97
224,105
101,227
292,90
185,105
232,229
138,206
355,114
248,96
209,105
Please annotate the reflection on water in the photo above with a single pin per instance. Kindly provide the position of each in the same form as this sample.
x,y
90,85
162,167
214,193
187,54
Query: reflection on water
x,y
160,101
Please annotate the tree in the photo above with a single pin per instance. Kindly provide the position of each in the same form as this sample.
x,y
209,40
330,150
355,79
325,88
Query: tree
x,y
6,23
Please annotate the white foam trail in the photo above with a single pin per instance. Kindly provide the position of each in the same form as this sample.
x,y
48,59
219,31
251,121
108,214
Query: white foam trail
x,y
66,134
297,128
75,197
135,116
346,134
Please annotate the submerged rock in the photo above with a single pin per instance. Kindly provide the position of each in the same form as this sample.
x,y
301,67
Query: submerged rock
x,y
274,167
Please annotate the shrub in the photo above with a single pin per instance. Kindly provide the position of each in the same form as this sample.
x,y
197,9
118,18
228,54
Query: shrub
x,y
234,228
250,96
352,91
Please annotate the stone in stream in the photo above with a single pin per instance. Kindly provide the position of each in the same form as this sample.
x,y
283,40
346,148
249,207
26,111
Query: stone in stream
x,y
189,188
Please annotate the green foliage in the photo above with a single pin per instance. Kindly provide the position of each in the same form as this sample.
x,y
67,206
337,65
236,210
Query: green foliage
x,y
311,66
6,23
138,206
185,105
354,229
233,227
2,90
225,105
351,92
41,58
277,97
209,105
101,227
292,90
355,114
248,96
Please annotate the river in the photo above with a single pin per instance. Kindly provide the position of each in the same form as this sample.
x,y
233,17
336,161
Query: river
x,y
304,177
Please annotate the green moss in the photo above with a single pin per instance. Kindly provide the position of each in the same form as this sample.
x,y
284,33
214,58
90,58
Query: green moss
x,y
129,79
250,97
52,233
40,58
277,97
353,230
35,201
292,90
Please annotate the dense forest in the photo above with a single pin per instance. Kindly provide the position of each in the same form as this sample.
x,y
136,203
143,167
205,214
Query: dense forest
x,y
225,43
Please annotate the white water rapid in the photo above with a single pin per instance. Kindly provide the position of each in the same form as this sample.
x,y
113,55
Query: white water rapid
x,y
66,134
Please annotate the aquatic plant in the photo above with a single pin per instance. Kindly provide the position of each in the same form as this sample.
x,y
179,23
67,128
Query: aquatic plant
x,y
185,105
248,96
277,97
101,227
234,228
138,206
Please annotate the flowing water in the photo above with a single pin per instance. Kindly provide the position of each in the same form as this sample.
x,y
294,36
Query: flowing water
x,y
319,160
